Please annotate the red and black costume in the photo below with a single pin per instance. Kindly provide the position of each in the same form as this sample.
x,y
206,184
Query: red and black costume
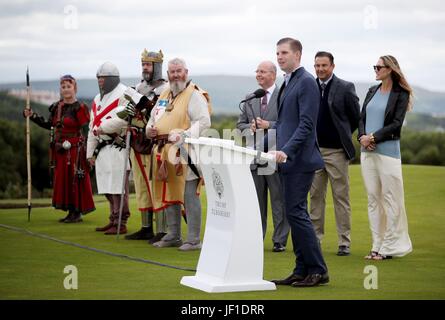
x,y
68,124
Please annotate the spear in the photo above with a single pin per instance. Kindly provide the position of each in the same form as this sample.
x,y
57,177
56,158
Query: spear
x,y
28,143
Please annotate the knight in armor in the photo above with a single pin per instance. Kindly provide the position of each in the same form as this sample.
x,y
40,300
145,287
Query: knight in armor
x,y
151,86
106,145
68,125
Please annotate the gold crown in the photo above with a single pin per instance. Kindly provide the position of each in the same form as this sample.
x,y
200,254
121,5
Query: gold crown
x,y
149,57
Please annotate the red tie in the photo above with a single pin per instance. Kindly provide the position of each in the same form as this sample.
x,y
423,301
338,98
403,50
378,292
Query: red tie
x,y
264,103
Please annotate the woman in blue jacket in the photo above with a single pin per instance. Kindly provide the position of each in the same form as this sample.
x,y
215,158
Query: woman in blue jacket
x,y
380,125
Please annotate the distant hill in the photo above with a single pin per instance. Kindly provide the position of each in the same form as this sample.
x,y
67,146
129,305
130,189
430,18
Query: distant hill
x,y
227,91
424,122
11,108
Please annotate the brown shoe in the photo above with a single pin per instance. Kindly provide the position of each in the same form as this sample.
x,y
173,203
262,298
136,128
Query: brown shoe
x,y
108,226
113,230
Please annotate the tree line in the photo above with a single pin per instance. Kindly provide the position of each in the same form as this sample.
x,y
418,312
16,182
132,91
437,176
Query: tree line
x,y
417,147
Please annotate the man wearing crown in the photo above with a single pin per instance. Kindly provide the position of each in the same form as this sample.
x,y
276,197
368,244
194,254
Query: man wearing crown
x,y
151,86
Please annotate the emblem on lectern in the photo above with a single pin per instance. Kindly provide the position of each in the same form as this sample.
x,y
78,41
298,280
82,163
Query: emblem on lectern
x,y
217,183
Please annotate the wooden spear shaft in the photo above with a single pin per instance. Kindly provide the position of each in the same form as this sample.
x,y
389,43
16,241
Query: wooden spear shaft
x,y
28,143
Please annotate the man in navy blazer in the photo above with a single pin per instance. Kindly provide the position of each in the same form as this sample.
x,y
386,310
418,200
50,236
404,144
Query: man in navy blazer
x,y
299,157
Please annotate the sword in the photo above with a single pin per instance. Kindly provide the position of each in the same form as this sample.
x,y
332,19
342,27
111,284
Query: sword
x,y
127,155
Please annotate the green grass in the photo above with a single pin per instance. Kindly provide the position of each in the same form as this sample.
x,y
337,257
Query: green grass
x,y
32,268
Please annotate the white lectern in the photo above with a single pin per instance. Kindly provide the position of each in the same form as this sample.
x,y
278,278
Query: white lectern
x,y
231,257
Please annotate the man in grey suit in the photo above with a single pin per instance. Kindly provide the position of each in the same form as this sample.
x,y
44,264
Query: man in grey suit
x,y
257,117
337,119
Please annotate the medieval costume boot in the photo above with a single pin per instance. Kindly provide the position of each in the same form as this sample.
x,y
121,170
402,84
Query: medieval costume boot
x,y
113,230
105,228
146,232
111,217
157,237
173,236
68,216
75,217
161,227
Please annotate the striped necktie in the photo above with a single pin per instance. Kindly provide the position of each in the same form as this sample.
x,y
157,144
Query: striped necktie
x,y
323,87
264,103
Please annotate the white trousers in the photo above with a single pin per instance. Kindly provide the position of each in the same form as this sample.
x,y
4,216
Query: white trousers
x,y
386,205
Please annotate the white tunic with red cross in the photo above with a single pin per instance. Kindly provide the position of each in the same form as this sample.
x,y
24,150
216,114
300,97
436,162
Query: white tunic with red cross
x,y
110,160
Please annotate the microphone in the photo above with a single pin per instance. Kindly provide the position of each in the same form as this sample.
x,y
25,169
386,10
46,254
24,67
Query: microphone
x,y
259,93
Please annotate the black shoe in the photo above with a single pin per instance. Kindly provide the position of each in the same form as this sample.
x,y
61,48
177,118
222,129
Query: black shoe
x,y
312,280
68,216
278,247
343,251
157,237
75,217
146,233
289,280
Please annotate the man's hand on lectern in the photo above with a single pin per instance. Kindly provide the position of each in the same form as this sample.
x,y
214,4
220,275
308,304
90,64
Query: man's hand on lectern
x,y
280,156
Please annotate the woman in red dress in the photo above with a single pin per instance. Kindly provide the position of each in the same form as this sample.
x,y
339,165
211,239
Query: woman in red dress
x,y
68,124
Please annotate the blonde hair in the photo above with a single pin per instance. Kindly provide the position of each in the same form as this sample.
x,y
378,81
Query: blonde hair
x,y
398,77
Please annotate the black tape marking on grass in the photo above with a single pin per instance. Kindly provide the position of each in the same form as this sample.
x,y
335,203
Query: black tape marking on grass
x,y
117,255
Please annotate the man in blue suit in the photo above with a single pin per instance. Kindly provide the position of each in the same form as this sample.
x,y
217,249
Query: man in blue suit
x,y
299,157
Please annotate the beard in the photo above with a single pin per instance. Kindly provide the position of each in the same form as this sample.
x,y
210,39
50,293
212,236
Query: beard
x,y
177,86
147,76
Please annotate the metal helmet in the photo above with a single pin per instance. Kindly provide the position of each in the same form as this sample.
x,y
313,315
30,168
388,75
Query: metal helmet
x,y
111,77
107,69
156,58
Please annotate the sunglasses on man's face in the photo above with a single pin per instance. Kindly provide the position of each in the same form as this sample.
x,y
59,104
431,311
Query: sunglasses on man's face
x,y
377,68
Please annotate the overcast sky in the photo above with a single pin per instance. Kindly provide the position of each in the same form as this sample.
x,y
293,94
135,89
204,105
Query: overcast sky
x,y
220,37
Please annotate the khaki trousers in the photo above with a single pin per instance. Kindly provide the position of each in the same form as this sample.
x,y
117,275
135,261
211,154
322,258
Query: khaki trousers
x,y
337,172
